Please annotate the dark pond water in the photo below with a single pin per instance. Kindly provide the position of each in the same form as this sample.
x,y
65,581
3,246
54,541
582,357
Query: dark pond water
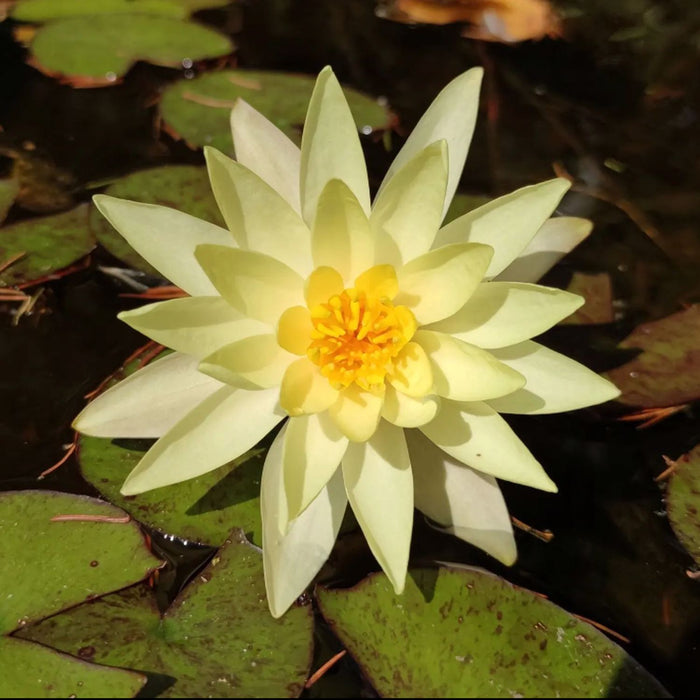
x,y
617,109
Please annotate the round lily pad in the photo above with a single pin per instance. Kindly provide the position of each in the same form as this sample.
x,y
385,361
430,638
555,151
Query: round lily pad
x,y
96,50
683,501
183,187
49,243
198,110
8,192
467,633
217,639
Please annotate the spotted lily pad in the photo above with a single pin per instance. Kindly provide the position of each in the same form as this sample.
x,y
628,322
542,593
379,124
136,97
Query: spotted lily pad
x,y
667,372
198,110
217,639
683,501
48,242
596,289
183,187
96,50
8,192
467,633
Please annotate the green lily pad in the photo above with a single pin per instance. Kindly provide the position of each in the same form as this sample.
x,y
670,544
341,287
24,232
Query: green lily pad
x,y
467,633
50,243
217,639
198,110
8,192
596,289
96,50
667,372
46,10
183,187
49,566
683,501
33,671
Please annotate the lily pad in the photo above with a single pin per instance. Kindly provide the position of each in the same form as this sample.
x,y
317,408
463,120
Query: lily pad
x,y
198,110
49,243
8,192
683,501
667,372
33,671
467,633
596,289
183,187
217,639
464,203
50,566
96,50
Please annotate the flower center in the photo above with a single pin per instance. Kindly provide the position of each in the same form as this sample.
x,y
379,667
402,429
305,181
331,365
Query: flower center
x,y
355,338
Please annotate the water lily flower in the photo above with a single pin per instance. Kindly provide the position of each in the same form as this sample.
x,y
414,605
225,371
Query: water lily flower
x,y
387,345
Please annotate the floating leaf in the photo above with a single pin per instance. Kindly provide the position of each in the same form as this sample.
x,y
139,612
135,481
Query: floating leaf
x,y
33,671
198,110
8,191
596,289
55,565
467,633
683,501
667,372
217,639
96,50
183,187
50,243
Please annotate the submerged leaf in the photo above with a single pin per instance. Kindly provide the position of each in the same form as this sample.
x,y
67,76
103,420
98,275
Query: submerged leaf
x,y
8,191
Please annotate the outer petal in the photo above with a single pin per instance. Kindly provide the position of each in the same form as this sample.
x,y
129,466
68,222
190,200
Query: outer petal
x,y
407,213
356,413
505,313
305,390
166,238
194,325
465,502
437,284
406,411
313,448
556,237
256,285
218,430
341,238
451,116
257,362
259,218
554,382
330,147
475,434
379,484
465,372
267,151
508,223
291,561
149,402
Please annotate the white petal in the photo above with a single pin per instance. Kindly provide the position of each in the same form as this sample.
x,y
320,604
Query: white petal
x,y
379,484
508,223
467,503
556,237
258,217
149,402
267,151
554,382
194,325
473,433
451,116
407,411
166,238
356,412
291,561
504,313
330,147
218,430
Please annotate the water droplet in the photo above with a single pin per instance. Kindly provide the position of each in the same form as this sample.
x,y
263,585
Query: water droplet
x,y
187,63
111,76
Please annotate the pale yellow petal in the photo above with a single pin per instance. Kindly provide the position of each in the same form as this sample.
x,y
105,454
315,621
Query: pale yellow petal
x,y
408,412
294,330
305,390
379,281
321,285
412,373
356,412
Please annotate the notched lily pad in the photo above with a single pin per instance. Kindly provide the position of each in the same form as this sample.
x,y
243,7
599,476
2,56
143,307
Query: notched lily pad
x,y
49,243
667,372
683,501
92,51
183,187
217,639
198,110
596,289
467,633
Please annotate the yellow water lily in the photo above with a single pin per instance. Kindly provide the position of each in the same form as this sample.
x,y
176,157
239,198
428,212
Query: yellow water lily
x,y
387,344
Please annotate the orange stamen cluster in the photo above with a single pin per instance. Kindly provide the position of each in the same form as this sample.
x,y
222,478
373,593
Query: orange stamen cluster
x,y
355,338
